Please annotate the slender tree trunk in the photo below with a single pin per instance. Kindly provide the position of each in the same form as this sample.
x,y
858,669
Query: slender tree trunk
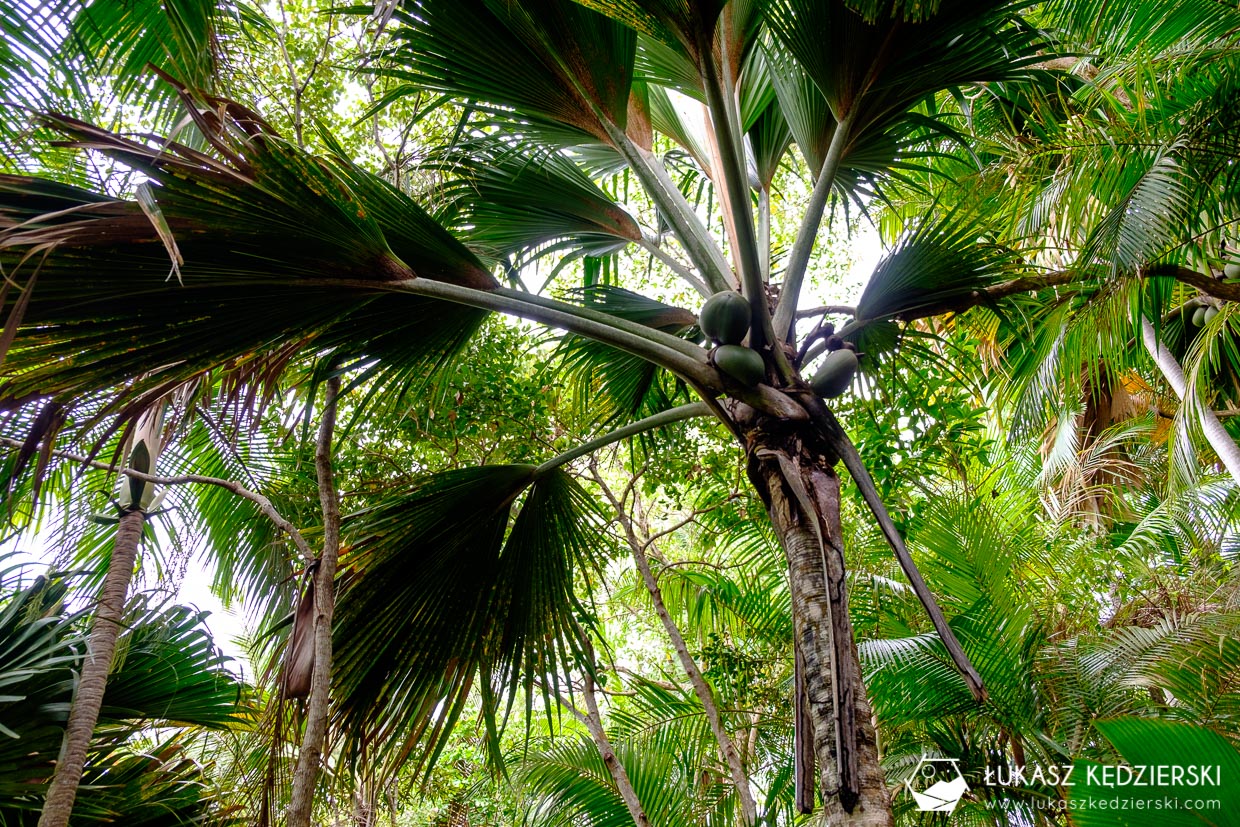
x,y
802,494
594,722
1222,443
88,698
727,748
309,757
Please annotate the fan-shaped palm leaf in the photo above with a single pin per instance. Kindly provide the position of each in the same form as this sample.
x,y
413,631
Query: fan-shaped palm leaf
x,y
434,596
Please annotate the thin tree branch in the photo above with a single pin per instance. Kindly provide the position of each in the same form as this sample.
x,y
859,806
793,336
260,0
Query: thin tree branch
x,y
594,723
1227,291
726,748
986,295
264,504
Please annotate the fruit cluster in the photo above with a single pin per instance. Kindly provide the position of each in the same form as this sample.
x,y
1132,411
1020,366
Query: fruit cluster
x,y
725,320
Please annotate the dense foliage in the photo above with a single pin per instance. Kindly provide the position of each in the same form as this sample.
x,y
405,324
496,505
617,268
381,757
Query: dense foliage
x,y
417,286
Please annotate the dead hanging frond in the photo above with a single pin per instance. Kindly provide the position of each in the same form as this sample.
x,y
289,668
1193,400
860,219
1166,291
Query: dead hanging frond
x,y
297,668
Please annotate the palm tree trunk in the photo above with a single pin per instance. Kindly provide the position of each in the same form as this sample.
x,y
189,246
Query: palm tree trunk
x,y
305,776
802,493
88,698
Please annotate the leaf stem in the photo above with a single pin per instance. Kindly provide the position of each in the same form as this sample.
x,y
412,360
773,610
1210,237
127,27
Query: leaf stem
x,y
847,452
693,235
651,246
798,260
736,186
677,414
653,345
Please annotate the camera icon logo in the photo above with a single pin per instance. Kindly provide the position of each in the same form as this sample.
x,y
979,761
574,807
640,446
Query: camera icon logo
x,y
937,784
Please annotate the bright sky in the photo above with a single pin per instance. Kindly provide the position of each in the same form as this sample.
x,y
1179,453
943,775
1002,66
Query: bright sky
x,y
194,590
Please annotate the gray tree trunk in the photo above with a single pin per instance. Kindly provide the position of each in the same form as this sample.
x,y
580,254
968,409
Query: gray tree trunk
x,y
594,722
88,698
309,758
802,493
727,748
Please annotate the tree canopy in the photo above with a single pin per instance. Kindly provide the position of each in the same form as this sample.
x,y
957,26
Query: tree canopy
x,y
500,357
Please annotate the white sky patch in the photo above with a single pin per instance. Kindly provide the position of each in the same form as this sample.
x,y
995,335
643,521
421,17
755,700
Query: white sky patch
x,y
227,628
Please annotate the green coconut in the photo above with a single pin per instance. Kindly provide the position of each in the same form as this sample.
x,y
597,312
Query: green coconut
x,y
741,363
725,317
1231,270
1199,317
836,374
1210,313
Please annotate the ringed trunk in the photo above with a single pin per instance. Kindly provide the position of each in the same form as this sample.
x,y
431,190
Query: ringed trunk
x,y
802,494
88,698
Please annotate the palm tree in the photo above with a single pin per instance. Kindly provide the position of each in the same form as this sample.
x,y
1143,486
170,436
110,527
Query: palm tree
x,y
135,500
171,676
280,258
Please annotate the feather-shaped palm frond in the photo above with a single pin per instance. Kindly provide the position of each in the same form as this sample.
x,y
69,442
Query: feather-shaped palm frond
x,y
167,673
572,786
1145,742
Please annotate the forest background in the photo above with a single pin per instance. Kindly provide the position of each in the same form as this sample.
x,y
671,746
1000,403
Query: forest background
x,y
1037,266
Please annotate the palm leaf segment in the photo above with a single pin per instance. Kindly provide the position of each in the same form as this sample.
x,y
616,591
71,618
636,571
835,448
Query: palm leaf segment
x,y
567,70
442,587
505,202
249,232
613,387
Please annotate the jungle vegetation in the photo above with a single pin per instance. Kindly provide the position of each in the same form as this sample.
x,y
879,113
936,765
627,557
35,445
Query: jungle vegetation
x,y
388,317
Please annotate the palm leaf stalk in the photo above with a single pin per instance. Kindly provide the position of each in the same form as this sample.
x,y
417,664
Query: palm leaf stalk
x,y
1220,440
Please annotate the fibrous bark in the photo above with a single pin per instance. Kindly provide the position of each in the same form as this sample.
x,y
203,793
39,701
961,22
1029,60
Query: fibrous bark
x,y
802,494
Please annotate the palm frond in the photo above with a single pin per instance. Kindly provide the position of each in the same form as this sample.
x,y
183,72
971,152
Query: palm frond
x,y
613,387
560,65
507,201
434,597
100,308
873,68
